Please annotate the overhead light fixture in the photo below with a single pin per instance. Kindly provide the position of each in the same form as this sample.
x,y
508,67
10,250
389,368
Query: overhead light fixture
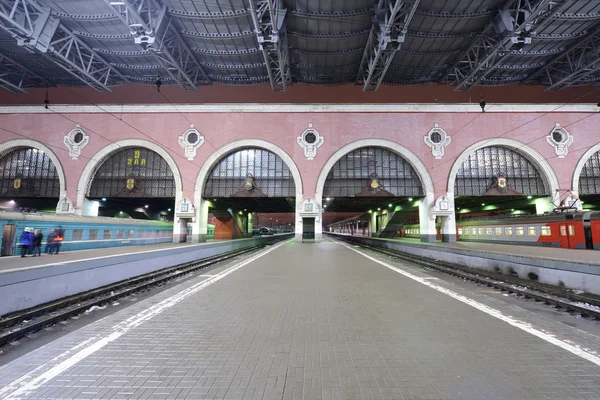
x,y
370,211
169,209
104,199
379,209
146,206
328,199
482,204
13,202
529,197
410,199
390,205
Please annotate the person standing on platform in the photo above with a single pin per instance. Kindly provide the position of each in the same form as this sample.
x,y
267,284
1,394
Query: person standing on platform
x,y
26,241
60,235
37,242
50,241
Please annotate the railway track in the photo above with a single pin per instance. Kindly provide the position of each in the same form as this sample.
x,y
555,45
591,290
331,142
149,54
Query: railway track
x,y
561,298
19,324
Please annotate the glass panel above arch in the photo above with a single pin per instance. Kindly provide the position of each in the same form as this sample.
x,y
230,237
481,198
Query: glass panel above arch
x,y
250,172
372,171
499,171
589,179
28,172
133,172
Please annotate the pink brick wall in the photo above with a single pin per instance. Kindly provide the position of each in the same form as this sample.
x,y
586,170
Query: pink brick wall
x,y
282,129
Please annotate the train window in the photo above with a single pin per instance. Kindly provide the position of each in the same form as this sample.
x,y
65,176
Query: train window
x,y
489,231
473,231
119,234
480,231
546,231
563,230
131,233
460,231
93,234
498,231
508,231
519,231
77,234
571,230
107,234
532,231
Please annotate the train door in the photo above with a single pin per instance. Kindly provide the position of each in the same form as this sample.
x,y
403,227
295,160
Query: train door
x,y
567,236
8,240
587,231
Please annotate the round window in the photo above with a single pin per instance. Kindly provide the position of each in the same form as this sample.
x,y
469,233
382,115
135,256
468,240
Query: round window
x,y
192,138
557,136
310,138
78,138
435,137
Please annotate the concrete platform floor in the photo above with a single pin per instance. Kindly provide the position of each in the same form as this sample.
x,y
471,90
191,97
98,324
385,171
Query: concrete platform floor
x,y
315,321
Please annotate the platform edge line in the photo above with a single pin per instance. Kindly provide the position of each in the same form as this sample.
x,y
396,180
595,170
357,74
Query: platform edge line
x,y
552,339
27,383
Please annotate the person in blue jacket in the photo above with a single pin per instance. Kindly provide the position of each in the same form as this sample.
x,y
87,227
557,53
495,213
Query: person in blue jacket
x,y
27,238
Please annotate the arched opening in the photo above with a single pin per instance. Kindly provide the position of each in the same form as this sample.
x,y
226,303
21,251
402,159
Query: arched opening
x,y
29,180
132,182
249,191
498,180
371,191
588,181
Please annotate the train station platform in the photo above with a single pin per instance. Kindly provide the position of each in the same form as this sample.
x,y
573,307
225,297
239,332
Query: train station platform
x,y
315,321
590,257
577,269
30,281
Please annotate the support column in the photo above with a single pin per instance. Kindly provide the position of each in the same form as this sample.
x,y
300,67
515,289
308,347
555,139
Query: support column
x,y
373,224
250,224
200,227
90,208
449,228
427,219
180,230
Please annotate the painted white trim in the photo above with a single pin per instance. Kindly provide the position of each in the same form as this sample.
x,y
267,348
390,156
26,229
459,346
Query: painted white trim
x,y
299,108
408,155
221,152
102,154
584,158
519,147
35,144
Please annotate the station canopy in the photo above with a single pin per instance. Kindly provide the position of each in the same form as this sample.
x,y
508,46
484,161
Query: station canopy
x,y
190,43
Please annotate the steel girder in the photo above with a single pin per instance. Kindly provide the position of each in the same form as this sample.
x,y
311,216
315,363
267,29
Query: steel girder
x,y
387,34
268,17
13,76
515,24
577,63
37,30
150,28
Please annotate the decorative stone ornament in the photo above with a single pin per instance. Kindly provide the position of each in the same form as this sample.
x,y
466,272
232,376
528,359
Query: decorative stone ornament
x,y
191,140
185,208
437,139
560,139
310,141
65,206
76,140
444,205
